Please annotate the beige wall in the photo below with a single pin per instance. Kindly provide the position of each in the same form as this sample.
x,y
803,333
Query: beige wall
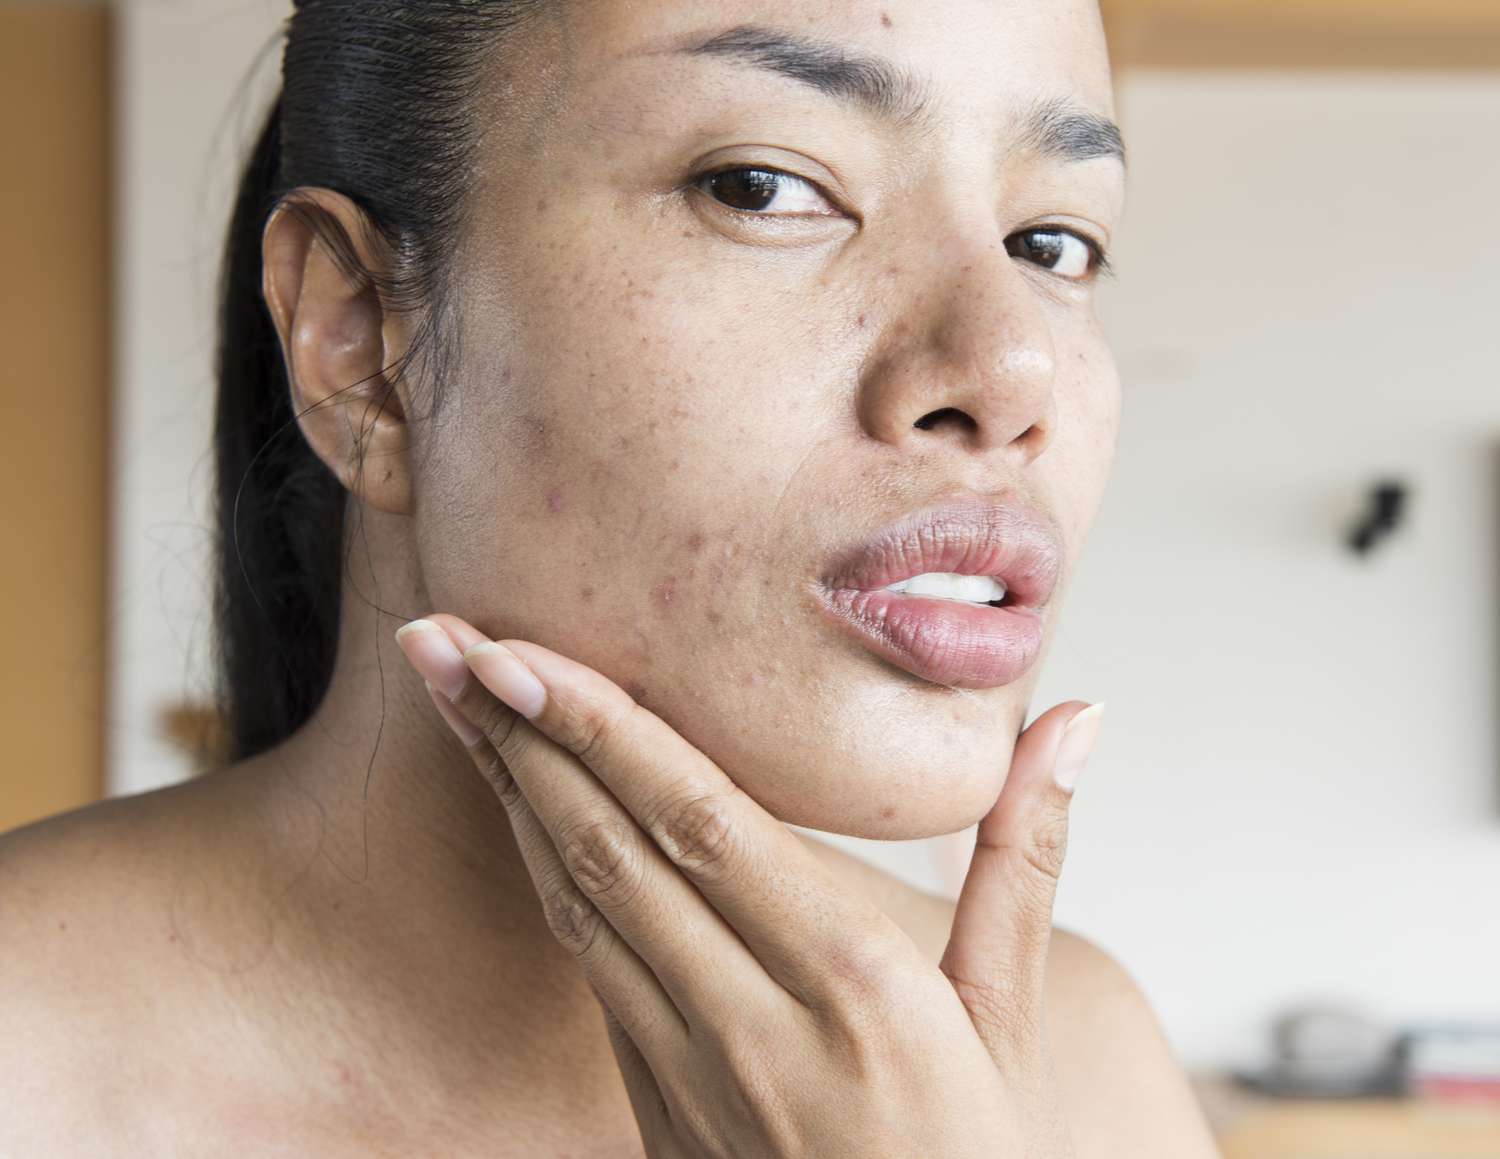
x,y
54,404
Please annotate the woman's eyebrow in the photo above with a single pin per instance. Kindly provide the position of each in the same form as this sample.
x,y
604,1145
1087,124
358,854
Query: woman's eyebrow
x,y
1055,127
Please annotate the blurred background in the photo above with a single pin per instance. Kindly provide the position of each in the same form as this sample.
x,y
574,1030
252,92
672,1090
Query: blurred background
x,y
1290,832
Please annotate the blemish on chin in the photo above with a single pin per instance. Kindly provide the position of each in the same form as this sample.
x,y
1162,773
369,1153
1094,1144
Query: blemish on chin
x,y
586,594
554,501
888,812
754,679
885,19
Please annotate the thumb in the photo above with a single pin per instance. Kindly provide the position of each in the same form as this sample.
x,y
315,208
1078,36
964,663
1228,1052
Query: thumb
x,y
996,956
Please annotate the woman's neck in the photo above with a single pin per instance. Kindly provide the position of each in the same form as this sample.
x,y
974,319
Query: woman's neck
x,y
405,924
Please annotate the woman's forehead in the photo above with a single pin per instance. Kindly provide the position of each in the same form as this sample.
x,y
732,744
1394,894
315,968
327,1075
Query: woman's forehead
x,y
914,61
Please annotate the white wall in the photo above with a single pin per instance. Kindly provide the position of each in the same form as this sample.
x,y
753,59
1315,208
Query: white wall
x,y
180,124
1296,788
1295,792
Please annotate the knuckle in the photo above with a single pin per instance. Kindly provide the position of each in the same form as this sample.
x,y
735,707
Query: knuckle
x,y
603,860
571,917
864,977
499,723
493,770
1047,846
588,727
696,832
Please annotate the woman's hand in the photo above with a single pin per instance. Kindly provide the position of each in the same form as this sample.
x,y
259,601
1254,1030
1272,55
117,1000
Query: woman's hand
x,y
755,1006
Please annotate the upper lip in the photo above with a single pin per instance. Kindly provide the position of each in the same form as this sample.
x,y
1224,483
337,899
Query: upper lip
x,y
1008,541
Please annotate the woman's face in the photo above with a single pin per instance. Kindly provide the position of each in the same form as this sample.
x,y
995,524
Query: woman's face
x,y
682,399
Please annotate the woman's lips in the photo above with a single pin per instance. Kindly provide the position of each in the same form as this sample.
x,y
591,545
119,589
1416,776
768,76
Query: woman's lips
x,y
946,641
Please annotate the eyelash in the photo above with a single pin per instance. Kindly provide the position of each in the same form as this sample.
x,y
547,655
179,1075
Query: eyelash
x,y
1100,265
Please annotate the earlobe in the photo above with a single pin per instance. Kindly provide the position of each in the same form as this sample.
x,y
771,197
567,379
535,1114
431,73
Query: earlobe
x,y
333,330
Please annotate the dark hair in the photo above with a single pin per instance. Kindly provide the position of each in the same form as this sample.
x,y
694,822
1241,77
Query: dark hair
x,y
378,104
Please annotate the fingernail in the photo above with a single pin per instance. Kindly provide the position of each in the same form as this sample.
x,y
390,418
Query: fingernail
x,y
502,672
1076,745
460,725
434,656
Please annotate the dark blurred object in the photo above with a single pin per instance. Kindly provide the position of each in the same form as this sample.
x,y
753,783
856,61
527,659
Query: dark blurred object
x,y
1328,1052
1387,508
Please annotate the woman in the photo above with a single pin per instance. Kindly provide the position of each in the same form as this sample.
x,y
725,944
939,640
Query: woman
x,y
657,341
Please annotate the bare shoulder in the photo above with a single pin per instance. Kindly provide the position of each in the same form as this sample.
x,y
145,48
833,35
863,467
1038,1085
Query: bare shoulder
x,y
73,889
1126,1095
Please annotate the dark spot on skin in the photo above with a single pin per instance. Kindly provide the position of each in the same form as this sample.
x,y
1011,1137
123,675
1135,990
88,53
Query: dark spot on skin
x,y
622,443
541,204
885,20
62,925
387,478
172,937
535,435
586,594
695,541
861,322
714,617
888,812
652,425
636,692
666,591
554,501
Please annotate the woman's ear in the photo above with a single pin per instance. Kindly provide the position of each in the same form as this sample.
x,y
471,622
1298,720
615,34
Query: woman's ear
x,y
339,345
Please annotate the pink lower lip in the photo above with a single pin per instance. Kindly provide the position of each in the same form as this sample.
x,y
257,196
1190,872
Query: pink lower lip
x,y
947,642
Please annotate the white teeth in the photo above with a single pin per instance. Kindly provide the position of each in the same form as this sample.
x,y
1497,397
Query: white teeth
x,y
947,585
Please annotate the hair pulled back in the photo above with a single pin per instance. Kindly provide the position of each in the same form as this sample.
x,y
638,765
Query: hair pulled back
x,y
378,103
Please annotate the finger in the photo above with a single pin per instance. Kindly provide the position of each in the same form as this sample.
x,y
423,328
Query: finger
x,y
698,960
651,1112
996,955
613,969
809,933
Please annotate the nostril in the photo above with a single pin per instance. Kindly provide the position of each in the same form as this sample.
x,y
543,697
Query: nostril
x,y
928,421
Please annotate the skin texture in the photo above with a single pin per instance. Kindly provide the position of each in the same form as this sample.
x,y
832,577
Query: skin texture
x,y
664,420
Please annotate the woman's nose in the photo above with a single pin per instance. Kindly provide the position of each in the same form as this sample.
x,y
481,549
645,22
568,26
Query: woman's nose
x,y
966,356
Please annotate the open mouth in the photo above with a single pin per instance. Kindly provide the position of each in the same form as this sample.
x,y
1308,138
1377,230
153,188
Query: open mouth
x,y
985,591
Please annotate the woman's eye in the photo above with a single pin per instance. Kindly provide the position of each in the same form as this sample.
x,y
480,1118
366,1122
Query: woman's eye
x,y
1061,251
765,192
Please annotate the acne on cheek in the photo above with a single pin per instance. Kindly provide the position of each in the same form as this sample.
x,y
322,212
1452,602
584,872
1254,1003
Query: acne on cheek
x,y
707,574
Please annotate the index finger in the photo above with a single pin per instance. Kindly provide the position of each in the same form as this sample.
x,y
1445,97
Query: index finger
x,y
808,932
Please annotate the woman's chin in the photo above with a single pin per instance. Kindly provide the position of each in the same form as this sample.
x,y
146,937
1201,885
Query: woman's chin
x,y
884,785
